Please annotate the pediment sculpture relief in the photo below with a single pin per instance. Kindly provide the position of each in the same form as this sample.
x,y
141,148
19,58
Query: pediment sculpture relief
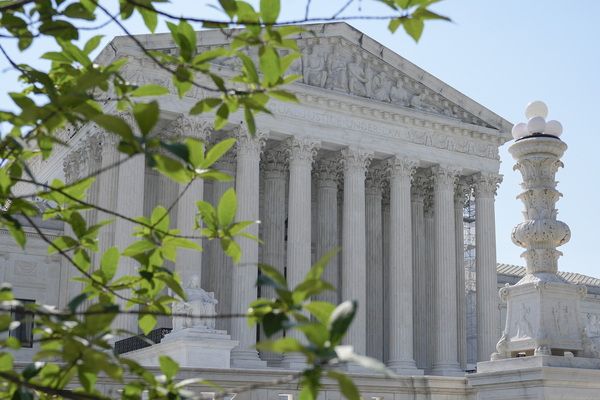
x,y
334,64
198,311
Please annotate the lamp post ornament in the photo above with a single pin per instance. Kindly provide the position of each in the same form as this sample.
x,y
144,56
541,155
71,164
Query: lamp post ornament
x,y
543,309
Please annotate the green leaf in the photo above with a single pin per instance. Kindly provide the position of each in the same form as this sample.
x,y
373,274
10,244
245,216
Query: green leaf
x,y
208,214
6,362
160,219
171,168
269,10
232,249
250,121
269,63
101,318
205,105
346,385
182,79
62,243
216,176
395,23
146,115
414,27
168,367
150,18
195,151
340,320
285,345
309,288
77,301
59,29
146,321
227,208
149,90
92,44
274,274
221,117
273,323
423,14
316,333
317,270
109,263
185,37
138,247
284,96
229,6
320,309
77,10
216,152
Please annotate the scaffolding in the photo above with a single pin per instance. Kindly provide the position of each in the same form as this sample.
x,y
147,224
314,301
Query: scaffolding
x,y
470,249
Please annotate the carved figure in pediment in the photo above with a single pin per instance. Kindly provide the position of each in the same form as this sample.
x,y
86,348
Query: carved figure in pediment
x,y
380,88
357,79
313,66
198,310
336,67
295,67
399,95
418,102
369,79
522,324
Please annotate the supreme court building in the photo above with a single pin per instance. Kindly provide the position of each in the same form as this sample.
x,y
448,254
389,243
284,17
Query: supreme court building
x,y
378,158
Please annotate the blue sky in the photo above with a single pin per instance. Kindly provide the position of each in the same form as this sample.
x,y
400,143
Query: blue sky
x,y
502,54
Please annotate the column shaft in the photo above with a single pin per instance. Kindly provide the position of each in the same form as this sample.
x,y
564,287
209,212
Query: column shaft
x,y
485,185
401,276
326,175
461,298
354,273
429,272
446,356
246,272
375,283
385,223
301,152
421,278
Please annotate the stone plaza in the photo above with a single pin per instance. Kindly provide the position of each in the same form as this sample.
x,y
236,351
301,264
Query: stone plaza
x,y
379,159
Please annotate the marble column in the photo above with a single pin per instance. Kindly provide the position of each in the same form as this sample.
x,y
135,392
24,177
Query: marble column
x,y
460,193
190,261
326,174
130,203
108,181
421,278
301,153
375,301
274,167
445,356
246,272
220,271
401,356
355,162
429,272
385,224
485,185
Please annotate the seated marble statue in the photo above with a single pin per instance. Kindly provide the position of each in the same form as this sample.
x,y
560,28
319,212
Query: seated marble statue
x,y
198,310
592,330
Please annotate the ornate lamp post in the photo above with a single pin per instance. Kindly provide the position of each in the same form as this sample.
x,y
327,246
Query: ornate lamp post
x,y
543,311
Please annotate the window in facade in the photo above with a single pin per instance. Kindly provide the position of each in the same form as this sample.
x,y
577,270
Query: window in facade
x,y
25,331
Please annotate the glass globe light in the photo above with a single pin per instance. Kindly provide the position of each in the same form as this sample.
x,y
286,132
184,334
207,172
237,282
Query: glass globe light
x,y
536,109
554,128
536,125
520,130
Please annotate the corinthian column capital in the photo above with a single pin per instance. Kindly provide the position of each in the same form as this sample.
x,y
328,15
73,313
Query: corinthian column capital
x,y
375,180
444,177
401,169
246,144
485,184
327,173
301,150
355,160
194,126
274,164
421,185
461,190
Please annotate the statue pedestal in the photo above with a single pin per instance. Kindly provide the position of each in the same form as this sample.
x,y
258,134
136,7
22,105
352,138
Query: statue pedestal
x,y
191,347
537,378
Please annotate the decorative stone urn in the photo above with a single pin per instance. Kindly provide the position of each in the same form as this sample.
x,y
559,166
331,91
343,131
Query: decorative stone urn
x,y
543,311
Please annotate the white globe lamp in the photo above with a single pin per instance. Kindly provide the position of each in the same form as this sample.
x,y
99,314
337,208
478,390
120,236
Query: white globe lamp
x,y
536,109
554,128
536,124
520,130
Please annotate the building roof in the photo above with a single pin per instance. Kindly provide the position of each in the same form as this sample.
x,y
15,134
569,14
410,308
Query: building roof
x,y
515,270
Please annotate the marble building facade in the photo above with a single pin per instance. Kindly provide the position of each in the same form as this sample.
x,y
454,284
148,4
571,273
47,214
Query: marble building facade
x,y
378,158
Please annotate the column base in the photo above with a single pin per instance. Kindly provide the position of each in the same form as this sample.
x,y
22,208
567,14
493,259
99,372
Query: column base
x,y
404,366
447,368
246,359
296,362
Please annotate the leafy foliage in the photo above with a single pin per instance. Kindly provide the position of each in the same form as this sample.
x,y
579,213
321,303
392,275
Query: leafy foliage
x,y
76,342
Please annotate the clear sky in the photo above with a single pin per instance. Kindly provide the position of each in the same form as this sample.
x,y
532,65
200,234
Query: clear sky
x,y
502,54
